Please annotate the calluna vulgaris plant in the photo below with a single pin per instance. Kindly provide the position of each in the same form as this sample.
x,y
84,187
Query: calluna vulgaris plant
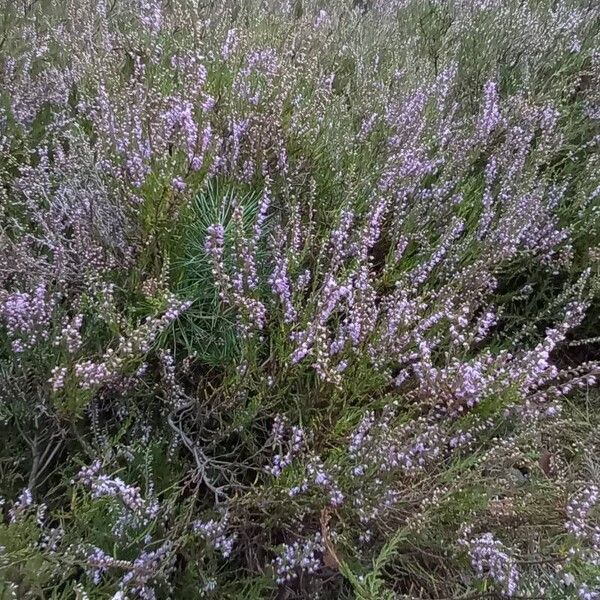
x,y
299,299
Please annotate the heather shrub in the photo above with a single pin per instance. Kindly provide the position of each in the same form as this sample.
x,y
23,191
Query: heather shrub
x,y
299,299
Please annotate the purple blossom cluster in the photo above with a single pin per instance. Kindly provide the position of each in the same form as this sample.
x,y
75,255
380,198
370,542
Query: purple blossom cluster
x,y
137,343
324,480
27,317
582,523
138,511
140,573
489,558
215,533
71,333
21,506
24,507
578,511
291,439
297,557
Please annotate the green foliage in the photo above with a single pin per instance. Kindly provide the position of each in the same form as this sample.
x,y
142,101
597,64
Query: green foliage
x,y
208,330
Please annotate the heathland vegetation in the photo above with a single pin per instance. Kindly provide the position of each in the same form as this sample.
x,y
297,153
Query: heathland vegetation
x,y
299,299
